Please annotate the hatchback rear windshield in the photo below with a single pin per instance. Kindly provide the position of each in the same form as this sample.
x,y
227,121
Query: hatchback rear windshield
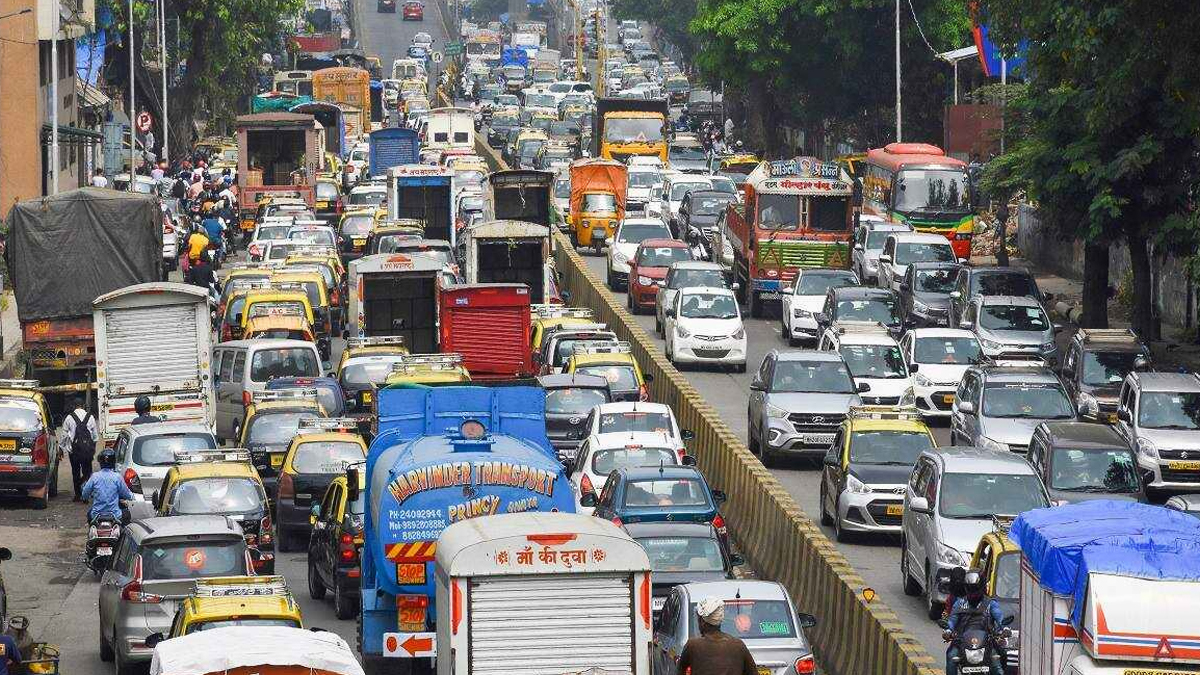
x,y
366,373
268,364
635,420
357,225
326,457
221,496
160,450
193,559
19,417
818,283
605,461
753,619
620,377
574,400
683,554
209,625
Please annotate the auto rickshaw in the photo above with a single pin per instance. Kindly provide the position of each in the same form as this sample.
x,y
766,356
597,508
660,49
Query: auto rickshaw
x,y
597,201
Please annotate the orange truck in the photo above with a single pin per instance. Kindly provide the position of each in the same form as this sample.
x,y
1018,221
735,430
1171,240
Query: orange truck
x,y
597,201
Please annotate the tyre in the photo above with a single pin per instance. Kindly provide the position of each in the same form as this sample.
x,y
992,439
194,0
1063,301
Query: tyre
x,y
769,459
841,535
39,503
825,519
911,588
609,280
316,587
935,607
750,444
658,327
741,367
343,605
106,650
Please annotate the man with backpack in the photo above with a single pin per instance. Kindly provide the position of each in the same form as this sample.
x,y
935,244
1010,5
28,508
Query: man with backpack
x,y
79,429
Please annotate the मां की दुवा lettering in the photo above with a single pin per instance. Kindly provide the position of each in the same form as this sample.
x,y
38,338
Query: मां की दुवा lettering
x,y
458,474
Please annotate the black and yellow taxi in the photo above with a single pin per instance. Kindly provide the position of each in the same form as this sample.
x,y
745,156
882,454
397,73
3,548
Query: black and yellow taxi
x,y
546,318
272,418
221,602
998,561
28,448
335,544
330,267
221,482
233,302
387,233
615,363
365,364
867,466
310,279
320,452
353,227
428,369
327,198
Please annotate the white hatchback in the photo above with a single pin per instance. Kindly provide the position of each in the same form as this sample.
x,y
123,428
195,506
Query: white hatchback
x,y
601,454
704,326
937,359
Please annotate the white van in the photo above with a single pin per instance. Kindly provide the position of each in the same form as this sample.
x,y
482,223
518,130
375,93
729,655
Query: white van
x,y
242,367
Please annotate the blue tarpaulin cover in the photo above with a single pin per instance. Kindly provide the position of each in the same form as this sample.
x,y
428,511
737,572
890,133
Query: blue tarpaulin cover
x,y
1062,545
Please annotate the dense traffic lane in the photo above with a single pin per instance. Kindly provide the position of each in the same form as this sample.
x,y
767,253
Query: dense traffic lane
x,y
877,559
388,35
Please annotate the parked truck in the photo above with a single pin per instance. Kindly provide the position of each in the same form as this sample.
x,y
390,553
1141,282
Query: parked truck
x,y
61,253
423,193
278,153
519,194
501,578
392,147
397,294
509,251
442,455
176,375
489,325
1108,588
624,128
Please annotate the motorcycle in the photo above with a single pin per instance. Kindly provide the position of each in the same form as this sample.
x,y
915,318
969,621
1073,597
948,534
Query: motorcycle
x,y
697,244
103,534
978,652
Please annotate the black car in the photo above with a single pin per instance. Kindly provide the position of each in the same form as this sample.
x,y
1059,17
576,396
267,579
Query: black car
x,y
973,281
335,544
569,398
860,303
925,293
700,210
386,6
1096,364
1079,461
682,553
503,122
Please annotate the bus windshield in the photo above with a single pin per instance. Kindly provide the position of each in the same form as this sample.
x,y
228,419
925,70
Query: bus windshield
x,y
933,190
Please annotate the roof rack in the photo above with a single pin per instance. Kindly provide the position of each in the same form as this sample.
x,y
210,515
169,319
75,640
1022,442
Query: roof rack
x,y
1127,335
292,394
561,311
844,327
1000,524
907,413
213,455
1017,360
19,384
596,347
287,285
225,587
411,362
327,424
375,341
311,249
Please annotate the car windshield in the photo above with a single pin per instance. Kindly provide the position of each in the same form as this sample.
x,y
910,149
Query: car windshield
x,y
708,306
1100,368
817,283
19,416
752,619
540,101
276,308
640,179
778,212
687,153
357,225
875,361
633,130
959,351
1003,283
219,496
390,243
273,232
678,190
1013,317
666,492
936,190
367,198
366,372
634,233
980,495
888,447
911,252
935,280
663,256
326,457
319,237
683,554
605,462
573,400
194,558
692,278
597,202
268,364
723,184
327,191
1093,470
818,377
635,420
708,206
876,239
328,395
1008,576
620,377
562,189
879,309
226,623
160,450
1036,401
276,427
1169,410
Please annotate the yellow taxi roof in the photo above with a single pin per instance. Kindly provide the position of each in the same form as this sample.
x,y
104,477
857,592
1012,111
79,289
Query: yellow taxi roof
x,y
243,606
372,350
27,394
615,359
248,272
1001,539
328,437
196,470
427,375
912,426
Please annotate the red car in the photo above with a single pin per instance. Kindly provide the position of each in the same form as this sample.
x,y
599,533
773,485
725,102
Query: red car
x,y
648,269
414,11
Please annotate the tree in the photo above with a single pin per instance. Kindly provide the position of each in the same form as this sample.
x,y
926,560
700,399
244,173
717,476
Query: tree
x,y
1108,144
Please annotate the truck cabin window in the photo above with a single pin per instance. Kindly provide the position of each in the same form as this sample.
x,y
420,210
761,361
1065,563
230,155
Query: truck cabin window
x,y
778,212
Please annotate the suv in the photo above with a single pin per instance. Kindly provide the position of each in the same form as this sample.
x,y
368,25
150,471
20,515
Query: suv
x,y
153,569
901,249
872,232
998,406
1158,414
1079,461
874,359
1007,324
797,400
974,281
950,501
1096,364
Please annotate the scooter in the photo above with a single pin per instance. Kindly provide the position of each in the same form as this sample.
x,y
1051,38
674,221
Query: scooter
x,y
979,653
697,244
103,534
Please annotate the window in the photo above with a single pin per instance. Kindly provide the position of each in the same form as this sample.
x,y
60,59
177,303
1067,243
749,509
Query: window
x,y
226,367
979,496
193,559
753,619
239,365
160,450
268,364
328,458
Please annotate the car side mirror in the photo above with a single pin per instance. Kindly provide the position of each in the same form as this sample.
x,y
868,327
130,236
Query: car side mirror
x,y
822,317
955,295
806,620
913,367
831,458
1124,416
687,435
737,559
688,460
918,505
1058,328
313,513
966,324
5,554
757,384
965,407
670,312
885,259
735,286
588,500
648,377
153,639
719,496
352,483
1047,297
863,387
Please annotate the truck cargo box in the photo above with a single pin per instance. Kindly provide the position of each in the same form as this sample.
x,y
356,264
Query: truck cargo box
x,y
489,325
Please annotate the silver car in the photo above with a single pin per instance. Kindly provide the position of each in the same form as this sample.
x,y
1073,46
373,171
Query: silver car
x,y
869,238
759,613
1157,415
153,569
1007,324
145,452
997,407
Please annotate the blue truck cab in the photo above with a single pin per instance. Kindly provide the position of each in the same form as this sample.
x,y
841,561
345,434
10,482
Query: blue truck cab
x,y
392,146
443,455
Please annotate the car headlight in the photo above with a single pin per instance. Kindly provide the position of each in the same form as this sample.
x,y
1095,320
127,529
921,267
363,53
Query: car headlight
x,y
908,398
776,412
1088,403
990,344
645,281
921,381
920,307
1048,347
682,332
801,313
986,443
951,555
856,486
1147,448
739,334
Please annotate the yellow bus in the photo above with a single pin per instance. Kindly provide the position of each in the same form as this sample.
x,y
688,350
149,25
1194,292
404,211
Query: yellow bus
x,y
344,86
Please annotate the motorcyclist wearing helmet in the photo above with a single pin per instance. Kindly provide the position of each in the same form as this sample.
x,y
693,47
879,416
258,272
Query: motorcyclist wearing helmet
x,y
106,489
972,609
142,407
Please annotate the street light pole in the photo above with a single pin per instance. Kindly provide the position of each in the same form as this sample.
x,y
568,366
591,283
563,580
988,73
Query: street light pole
x,y
132,103
162,51
54,28
898,126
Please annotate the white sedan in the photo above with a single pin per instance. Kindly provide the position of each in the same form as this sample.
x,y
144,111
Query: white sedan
x,y
704,326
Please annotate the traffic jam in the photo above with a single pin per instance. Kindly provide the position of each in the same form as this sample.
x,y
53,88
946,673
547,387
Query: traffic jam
x,y
332,360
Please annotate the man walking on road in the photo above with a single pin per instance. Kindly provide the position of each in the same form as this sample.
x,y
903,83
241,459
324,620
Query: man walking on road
x,y
10,656
79,430
714,652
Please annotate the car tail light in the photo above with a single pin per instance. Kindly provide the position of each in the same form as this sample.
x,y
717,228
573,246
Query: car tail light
x,y
643,393
266,531
617,521
287,486
41,449
585,485
346,550
680,453
719,524
133,481
335,298
805,665
246,398
338,207
132,591
255,249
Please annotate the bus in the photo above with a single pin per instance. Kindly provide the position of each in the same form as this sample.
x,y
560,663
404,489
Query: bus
x,y
918,185
344,86
298,82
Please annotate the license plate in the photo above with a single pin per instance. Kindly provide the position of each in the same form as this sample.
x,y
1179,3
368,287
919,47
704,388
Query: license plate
x,y
321,205
1155,671
104,550
16,459
657,603
948,398
895,510
763,670
276,461
772,295
967,670
359,241
1112,419
8,444
366,397
159,407
817,439
1183,466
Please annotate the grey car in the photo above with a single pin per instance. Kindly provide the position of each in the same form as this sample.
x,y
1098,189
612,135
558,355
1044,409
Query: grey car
x,y
1158,414
759,613
990,280
1080,461
798,400
145,452
869,238
925,294
1007,324
997,407
153,569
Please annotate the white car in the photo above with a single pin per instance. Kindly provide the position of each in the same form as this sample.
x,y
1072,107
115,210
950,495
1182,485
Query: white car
x,y
634,416
562,197
869,238
937,359
640,184
674,188
801,304
314,234
600,454
874,359
366,197
704,326
902,248
360,157
645,160
267,231
146,452
685,274
630,233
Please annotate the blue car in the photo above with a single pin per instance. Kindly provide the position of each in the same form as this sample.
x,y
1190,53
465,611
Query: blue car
x,y
329,392
415,52
658,494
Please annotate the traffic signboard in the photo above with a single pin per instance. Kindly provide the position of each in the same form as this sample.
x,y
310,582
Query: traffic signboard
x,y
144,121
453,48
437,57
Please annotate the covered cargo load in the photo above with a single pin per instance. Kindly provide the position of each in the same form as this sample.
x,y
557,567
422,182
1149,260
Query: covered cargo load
x,y
268,650
509,251
520,194
489,325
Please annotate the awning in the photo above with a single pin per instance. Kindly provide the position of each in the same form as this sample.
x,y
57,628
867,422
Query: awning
x,y
71,135
956,55
89,96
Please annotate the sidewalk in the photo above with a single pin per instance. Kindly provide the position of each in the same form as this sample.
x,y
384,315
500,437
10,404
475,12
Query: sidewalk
x,y
10,338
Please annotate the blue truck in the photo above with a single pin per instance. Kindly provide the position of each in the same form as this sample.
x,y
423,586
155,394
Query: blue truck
x,y
442,455
425,193
514,56
392,146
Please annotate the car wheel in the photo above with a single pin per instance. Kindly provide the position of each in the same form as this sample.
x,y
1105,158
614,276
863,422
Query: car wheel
x,y
825,519
316,587
911,588
629,302
935,608
769,459
841,535
39,503
741,367
343,608
106,650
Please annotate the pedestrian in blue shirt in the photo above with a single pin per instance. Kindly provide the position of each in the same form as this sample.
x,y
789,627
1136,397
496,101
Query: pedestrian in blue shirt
x,y
106,489
10,656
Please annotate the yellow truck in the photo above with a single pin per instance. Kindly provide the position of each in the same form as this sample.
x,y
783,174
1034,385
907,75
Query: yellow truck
x,y
624,128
